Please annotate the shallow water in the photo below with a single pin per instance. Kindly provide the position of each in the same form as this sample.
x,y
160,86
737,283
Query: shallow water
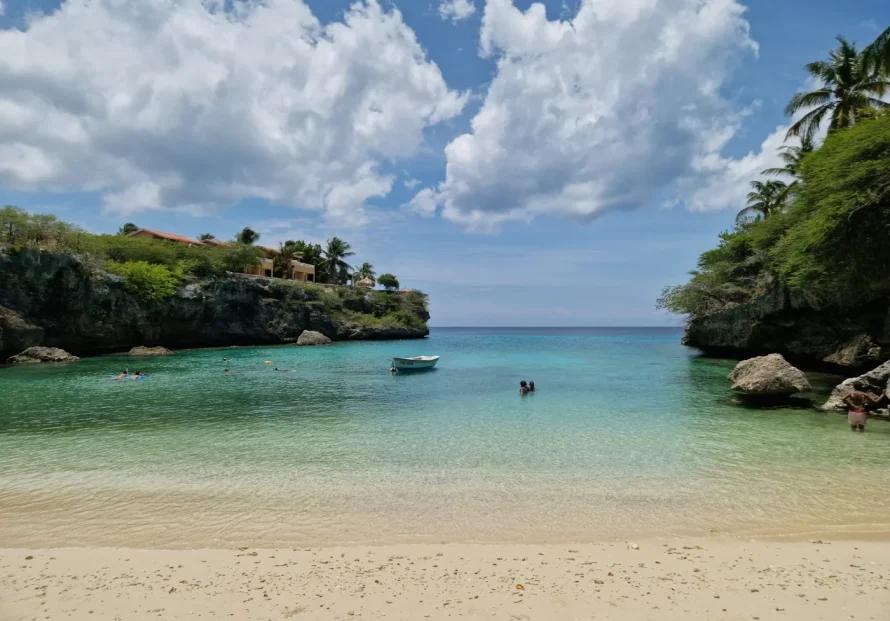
x,y
629,433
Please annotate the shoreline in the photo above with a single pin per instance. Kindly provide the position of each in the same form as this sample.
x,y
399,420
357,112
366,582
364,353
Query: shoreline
x,y
727,578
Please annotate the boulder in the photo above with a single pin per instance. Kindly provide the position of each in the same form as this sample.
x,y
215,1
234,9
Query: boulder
x,y
33,355
876,381
768,375
150,351
311,337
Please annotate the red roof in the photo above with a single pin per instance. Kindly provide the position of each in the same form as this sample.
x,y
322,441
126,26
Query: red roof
x,y
170,236
214,242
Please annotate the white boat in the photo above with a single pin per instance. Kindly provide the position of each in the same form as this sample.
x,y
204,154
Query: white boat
x,y
415,363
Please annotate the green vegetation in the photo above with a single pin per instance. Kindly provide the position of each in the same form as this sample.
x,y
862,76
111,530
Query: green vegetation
x,y
829,246
389,281
148,281
825,235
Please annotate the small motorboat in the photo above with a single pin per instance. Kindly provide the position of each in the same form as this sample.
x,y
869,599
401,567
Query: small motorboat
x,y
416,363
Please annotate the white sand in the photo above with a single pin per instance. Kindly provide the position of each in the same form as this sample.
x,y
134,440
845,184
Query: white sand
x,y
683,579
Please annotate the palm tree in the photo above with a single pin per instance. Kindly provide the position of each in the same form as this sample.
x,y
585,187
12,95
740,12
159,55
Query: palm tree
x,y
878,53
850,86
767,198
206,236
792,156
365,271
127,229
334,267
247,236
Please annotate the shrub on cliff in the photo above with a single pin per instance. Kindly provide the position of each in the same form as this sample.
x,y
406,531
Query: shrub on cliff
x,y
389,281
150,282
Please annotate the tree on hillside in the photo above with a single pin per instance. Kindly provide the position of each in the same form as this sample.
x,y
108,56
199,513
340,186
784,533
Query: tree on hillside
x,y
335,269
127,229
767,198
850,86
389,281
792,157
247,236
206,236
878,53
365,271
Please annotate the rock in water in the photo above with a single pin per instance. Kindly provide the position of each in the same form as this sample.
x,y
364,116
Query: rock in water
x,y
768,375
311,337
876,381
151,351
33,355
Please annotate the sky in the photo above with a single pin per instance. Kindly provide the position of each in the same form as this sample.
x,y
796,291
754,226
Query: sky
x,y
526,164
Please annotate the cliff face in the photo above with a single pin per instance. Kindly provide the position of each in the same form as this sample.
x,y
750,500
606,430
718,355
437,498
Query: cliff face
x,y
843,339
56,300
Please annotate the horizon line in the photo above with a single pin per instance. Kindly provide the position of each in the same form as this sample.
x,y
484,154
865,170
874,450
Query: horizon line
x,y
564,327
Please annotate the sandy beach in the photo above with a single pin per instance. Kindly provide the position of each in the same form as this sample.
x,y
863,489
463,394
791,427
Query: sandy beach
x,y
650,579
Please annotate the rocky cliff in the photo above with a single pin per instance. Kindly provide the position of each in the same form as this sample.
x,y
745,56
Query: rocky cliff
x,y
856,338
60,301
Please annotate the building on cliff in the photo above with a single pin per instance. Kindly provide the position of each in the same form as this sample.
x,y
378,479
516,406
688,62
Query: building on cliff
x,y
303,272
179,239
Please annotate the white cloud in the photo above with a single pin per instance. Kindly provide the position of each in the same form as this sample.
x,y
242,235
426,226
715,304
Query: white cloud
x,y
424,203
185,105
456,10
410,184
603,111
724,182
2,9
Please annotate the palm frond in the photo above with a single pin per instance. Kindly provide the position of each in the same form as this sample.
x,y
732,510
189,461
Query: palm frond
x,y
808,100
749,212
808,124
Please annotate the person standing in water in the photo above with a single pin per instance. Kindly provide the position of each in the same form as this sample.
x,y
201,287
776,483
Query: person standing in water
x,y
531,387
857,403
523,387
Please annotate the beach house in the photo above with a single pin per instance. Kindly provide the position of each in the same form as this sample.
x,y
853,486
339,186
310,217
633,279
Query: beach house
x,y
297,270
179,239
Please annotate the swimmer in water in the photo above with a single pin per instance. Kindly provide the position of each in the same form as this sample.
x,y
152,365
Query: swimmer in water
x,y
123,375
523,387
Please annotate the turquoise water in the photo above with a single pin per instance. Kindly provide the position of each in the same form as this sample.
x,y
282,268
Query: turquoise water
x,y
629,433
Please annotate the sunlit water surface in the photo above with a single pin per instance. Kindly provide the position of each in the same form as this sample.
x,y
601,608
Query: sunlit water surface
x,y
628,434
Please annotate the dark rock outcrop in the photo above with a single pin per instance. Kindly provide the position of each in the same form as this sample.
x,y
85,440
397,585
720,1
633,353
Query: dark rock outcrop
x,y
35,355
855,338
150,351
59,300
311,337
768,376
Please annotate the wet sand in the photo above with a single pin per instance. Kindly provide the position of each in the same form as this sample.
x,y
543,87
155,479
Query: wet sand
x,y
715,579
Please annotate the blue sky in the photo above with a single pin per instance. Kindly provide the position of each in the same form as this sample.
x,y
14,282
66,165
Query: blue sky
x,y
522,166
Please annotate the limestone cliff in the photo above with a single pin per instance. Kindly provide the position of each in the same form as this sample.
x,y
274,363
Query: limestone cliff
x,y
855,338
61,301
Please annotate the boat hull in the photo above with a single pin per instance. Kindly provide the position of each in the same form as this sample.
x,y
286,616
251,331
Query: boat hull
x,y
415,364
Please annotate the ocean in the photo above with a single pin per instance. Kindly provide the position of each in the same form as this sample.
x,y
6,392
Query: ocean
x,y
628,434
